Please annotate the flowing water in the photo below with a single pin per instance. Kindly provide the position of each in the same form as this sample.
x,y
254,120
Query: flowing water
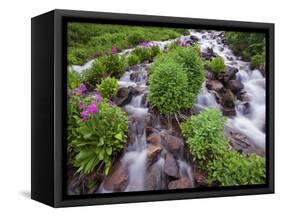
x,y
252,122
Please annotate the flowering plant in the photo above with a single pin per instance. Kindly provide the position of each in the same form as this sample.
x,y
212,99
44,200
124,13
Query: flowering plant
x,y
100,133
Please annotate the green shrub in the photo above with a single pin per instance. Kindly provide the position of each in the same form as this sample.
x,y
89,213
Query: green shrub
x,y
204,136
133,59
167,89
94,75
250,46
108,87
257,60
155,50
100,134
73,79
216,65
142,53
183,60
232,168
115,65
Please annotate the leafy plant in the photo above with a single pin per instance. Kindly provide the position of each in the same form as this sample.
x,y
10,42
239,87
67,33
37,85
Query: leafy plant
x,y
185,69
108,87
133,59
114,65
232,168
73,79
168,88
95,74
204,136
100,134
216,65
142,53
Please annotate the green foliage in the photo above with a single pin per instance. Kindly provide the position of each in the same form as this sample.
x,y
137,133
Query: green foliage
x,y
88,40
100,138
185,69
73,79
72,116
168,88
94,75
115,65
232,168
250,46
111,65
257,60
108,87
133,59
204,136
140,54
216,65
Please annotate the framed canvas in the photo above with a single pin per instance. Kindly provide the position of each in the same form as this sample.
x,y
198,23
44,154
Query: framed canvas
x,y
133,108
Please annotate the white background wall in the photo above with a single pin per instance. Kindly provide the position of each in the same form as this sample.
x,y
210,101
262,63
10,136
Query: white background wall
x,y
15,106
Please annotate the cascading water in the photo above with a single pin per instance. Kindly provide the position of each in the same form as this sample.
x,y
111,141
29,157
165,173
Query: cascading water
x,y
252,123
249,121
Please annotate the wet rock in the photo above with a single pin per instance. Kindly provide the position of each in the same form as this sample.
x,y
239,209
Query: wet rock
x,y
154,139
241,143
136,76
117,179
180,183
209,75
170,166
194,38
153,179
235,86
208,54
214,85
229,112
243,96
123,96
262,69
134,68
152,153
200,179
229,58
228,99
150,130
217,96
230,73
173,144
246,108
228,103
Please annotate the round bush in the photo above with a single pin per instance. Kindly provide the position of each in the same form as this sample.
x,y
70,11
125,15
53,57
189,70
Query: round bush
x,y
167,90
186,66
133,59
94,75
216,65
108,87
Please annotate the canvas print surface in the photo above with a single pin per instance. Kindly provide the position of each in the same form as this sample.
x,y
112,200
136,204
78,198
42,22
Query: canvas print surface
x,y
157,108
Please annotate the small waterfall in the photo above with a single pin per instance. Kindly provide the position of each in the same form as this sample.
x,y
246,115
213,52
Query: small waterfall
x,y
206,100
251,124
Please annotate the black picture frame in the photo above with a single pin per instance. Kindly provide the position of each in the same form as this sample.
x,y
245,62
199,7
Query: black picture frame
x,y
48,74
